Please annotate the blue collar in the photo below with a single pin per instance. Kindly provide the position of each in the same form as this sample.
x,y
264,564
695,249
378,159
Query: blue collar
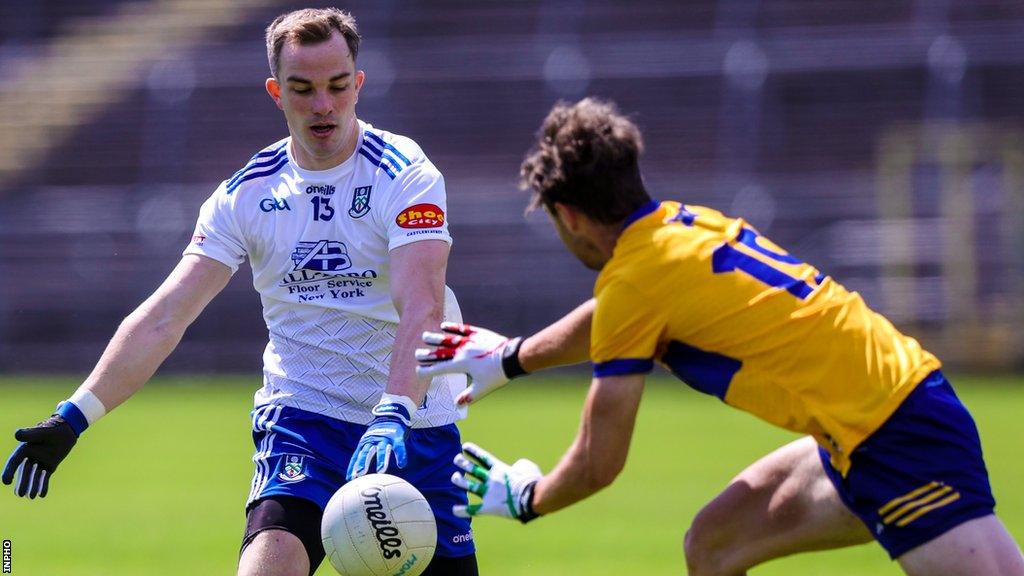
x,y
640,213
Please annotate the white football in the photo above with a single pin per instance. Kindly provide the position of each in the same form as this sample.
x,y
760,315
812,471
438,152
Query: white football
x,y
379,525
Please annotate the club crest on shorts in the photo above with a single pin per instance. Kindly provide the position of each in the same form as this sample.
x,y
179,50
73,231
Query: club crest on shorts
x,y
294,468
360,202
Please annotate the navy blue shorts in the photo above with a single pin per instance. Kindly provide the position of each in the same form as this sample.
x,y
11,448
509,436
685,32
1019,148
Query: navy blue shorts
x,y
920,474
305,455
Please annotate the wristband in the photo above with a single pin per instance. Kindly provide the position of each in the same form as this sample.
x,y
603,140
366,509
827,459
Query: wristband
x,y
510,359
395,406
73,416
81,410
91,406
526,511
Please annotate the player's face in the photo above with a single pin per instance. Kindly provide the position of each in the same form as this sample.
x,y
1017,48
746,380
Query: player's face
x,y
317,89
576,240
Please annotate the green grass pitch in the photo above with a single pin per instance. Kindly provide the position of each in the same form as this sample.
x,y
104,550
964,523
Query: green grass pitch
x,y
158,486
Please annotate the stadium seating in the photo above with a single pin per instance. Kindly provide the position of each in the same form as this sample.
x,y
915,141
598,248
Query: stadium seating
x,y
807,118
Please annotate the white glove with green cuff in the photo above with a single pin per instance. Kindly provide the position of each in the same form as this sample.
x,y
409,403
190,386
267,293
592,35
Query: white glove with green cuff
x,y
506,491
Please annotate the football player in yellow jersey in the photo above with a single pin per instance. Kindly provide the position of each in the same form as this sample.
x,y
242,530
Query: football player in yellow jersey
x,y
890,451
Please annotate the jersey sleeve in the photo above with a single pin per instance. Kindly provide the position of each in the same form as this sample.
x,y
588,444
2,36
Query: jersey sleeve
x,y
216,234
416,207
625,332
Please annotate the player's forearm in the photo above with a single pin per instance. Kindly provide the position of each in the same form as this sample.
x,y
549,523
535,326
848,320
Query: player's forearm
x,y
598,454
142,342
575,478
416,317
565,342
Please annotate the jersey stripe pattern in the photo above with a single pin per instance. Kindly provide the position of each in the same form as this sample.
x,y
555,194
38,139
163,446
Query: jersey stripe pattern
x,y
383,155
263,164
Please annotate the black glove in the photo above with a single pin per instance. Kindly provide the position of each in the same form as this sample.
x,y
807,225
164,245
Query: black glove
x,y
42,448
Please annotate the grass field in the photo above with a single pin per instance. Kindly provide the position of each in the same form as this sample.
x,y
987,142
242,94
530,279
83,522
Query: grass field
x,y
158,487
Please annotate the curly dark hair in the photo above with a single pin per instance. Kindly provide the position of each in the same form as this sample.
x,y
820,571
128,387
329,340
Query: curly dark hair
x,y
310,26
586,156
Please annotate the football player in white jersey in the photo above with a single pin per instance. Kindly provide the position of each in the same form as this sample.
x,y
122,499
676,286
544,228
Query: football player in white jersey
x,y
345,229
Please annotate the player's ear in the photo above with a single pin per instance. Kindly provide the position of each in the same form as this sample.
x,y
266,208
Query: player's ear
x,y
274,89
360,78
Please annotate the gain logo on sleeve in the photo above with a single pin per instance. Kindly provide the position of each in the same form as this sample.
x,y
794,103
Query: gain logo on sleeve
x,y
321,256
421,216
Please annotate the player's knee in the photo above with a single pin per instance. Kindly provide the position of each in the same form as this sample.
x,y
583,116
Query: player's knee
x,y
713,545
274,553
702,546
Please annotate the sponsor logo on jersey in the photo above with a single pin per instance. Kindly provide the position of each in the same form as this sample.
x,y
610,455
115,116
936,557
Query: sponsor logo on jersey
x,y
320,273
321,256
421,216
322,189
360,202
348,279
198,239
293,468
462,538
272,204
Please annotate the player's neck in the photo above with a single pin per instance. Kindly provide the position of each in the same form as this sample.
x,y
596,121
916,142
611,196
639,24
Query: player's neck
x,y
601,239
606,237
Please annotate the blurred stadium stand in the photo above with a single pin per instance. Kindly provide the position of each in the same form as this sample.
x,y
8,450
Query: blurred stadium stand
x,y
882,141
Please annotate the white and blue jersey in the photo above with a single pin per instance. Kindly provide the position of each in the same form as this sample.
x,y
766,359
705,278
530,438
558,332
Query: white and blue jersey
x,y
318,244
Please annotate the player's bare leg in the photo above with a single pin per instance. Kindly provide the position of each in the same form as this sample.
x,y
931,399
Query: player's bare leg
x,y
780,505
274,553
980,546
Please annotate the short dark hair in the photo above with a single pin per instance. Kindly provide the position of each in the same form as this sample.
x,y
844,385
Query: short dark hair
x,y
310,26
586,156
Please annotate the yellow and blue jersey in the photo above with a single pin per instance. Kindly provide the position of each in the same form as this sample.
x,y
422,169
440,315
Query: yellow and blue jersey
x,y
735,316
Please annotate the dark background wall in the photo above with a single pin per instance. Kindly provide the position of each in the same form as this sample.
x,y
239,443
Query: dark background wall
x,y
882,141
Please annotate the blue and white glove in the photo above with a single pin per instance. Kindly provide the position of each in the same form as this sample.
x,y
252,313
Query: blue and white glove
x,y
506,491
489,359
386,435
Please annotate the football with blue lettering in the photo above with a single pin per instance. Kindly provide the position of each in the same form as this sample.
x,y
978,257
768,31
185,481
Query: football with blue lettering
x,y
379,525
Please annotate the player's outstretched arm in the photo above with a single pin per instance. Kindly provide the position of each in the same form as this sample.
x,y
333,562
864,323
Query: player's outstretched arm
x,y
592,462
490,360
142,342
563,343
417,290
602,443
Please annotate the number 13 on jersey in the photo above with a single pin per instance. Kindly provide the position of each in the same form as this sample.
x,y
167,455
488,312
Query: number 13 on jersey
x,y
322,209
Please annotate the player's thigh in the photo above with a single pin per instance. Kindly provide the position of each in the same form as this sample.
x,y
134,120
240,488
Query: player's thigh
x,y
980,546
282,535
274,553
430,468
782,504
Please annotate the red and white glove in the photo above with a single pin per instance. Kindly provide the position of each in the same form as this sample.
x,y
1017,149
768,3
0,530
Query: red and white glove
x,y
489,359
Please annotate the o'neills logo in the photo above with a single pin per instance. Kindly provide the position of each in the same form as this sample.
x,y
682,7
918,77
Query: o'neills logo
x,y
383,528
323,189
421,216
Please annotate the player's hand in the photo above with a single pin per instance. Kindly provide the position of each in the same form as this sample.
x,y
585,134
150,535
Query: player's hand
x,y
506,490
482,355
33,462
385,436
